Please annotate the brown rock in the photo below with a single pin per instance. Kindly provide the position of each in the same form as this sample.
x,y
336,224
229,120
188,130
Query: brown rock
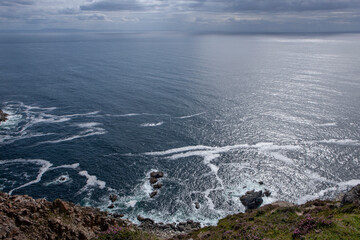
x,y
153,194
252,199
63,206
113,197
158,186
3,116
153,180
22,217
267,193
158,174
352,196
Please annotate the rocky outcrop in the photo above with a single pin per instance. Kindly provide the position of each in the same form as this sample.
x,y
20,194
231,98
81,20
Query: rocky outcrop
x,y
156,174
252,199
3,116
167,230
352,196
154,178
22,217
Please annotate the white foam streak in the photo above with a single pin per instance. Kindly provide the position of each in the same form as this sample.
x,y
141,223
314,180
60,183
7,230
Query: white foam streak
x,y
332,124
341,186
45,165
176,150
88,125
190,116
23,117
340,141
71,166
151,124
81,114
91,181
72,138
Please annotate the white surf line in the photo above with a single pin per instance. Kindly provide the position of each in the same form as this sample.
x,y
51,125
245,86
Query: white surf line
x,y
190,116
210,153
71,138
151,124
339,186
176,150
330,124
137,114
80,114
91,181
45,165
71,166
339,141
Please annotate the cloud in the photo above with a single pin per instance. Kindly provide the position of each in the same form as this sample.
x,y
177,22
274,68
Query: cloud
x,y
9,3
290,5
124,5
222,5
97,17
183,15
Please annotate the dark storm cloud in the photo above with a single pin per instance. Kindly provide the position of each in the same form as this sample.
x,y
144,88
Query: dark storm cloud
x,y
15,2
289,5
225,5
125,5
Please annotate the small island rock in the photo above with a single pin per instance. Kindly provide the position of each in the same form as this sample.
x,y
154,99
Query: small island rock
x,y
156,174
153,194
352,196
3,116
252,199
113,197
153,180
158,186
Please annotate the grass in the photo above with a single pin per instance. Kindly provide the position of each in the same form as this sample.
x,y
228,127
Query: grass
x,y
313,220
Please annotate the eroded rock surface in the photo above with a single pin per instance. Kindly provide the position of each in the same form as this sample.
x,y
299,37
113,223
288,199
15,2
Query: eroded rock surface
x,y
22,217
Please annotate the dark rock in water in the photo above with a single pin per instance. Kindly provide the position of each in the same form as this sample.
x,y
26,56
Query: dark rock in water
x,y
111,206
3,116
197,205
113,197
261,183
153,194
117,215
158,186
62,179
140,218
156,174
267,193
153,180
252,199
352,196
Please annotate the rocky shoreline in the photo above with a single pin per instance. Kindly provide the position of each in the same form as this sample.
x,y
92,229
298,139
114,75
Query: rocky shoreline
x,y
22,217
3,116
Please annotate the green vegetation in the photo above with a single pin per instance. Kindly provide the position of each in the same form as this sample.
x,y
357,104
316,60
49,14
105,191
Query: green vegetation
x,y
313,220
125,233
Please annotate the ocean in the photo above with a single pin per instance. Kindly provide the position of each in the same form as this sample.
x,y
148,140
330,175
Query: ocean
x,y
92,114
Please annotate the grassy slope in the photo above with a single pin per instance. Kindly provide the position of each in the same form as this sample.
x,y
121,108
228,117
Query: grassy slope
x,y
313,220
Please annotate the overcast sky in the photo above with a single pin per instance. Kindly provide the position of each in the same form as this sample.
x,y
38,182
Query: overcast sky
x,y
182,15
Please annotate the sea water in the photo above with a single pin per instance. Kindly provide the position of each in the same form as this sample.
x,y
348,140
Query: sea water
x,y
92,114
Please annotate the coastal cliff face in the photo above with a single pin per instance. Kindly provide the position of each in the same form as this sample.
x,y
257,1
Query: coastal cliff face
x,y
22,217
